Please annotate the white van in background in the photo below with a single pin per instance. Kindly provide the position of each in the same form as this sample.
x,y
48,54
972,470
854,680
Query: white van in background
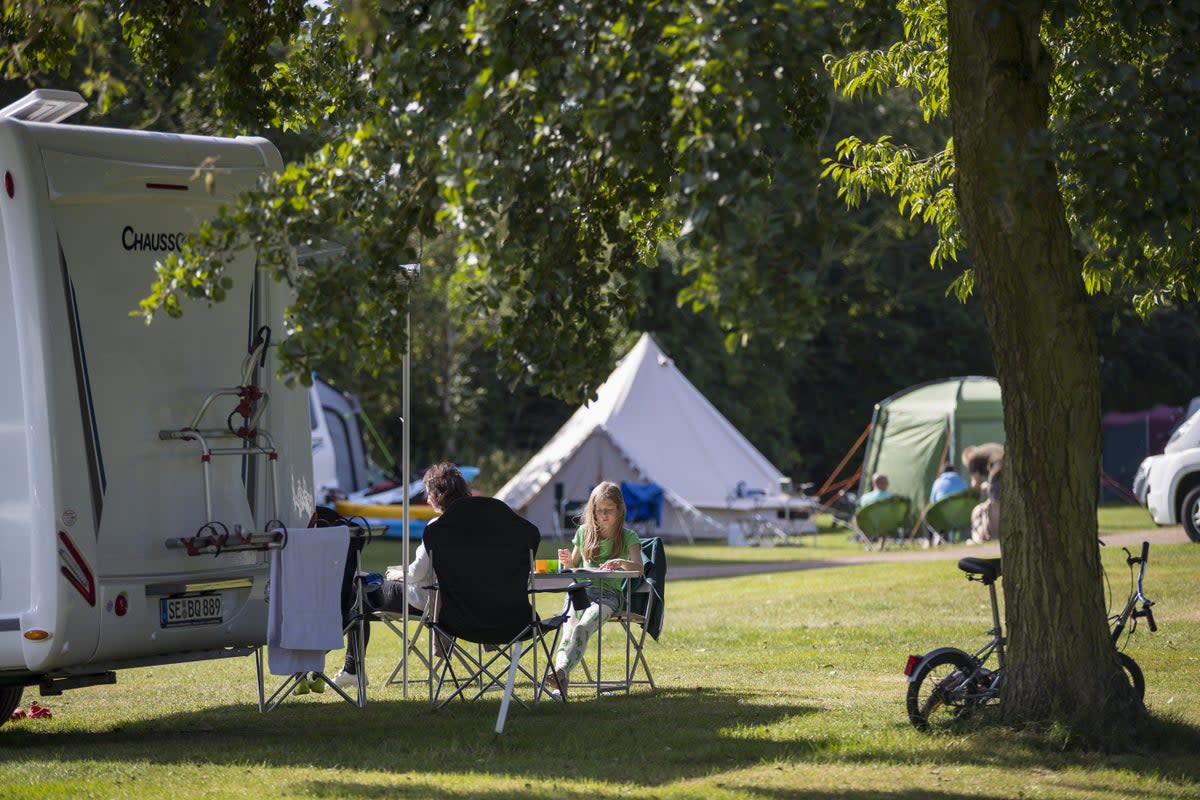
x,y
143,468
1169,484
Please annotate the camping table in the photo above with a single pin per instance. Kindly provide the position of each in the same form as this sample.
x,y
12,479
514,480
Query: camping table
x,y
558,580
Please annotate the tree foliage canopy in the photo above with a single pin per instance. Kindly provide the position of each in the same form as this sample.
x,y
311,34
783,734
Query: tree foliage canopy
x,y
556,146
1121,100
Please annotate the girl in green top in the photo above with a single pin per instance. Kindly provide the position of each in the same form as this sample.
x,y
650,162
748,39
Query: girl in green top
x,y
602,542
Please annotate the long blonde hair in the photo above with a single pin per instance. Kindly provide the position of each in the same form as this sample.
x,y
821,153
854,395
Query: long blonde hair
x,y
592,533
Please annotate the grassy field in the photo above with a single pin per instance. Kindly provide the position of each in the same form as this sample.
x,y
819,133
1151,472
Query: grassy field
x,y
778,686
831,542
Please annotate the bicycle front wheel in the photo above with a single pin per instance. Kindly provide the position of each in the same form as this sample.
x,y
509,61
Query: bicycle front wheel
x,y
1134,674
942,690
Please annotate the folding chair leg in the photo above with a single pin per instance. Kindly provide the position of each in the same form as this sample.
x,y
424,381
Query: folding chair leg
x,y
639,657
508,687
282,692
258,671
411,648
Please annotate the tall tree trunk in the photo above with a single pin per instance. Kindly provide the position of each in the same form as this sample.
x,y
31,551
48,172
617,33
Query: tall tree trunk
x,y
1061,664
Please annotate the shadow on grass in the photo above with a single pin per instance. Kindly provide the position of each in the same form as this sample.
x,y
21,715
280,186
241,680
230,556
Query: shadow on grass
x,y
567,791
649,739
683,733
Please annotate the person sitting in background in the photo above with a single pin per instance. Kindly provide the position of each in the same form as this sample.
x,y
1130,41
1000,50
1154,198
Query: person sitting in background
x,y
985,463
879,490
981,461
947,483
444,485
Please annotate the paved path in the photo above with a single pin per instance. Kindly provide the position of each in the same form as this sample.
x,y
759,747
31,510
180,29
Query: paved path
x,y
1173,535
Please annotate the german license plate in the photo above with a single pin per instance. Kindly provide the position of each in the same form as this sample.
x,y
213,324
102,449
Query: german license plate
x,y
197,609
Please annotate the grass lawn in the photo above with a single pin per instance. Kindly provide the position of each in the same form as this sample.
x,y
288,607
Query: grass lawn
x,y
770,687
831,542
1123,517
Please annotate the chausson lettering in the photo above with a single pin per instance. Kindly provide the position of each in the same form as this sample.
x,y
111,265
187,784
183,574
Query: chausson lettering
x,y
138,240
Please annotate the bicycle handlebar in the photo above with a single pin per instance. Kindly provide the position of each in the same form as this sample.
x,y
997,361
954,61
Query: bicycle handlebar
x,y
1146,602
1149,615
1131,559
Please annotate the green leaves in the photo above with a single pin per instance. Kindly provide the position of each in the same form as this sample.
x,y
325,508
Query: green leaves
x,y
1124,87
556,149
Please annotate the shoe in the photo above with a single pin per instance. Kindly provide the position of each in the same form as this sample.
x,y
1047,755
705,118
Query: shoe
x,y
39,712
18,713
558,683
301,687
348,680
316,684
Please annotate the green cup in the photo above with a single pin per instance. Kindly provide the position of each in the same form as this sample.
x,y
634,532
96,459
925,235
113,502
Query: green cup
x,y
552,565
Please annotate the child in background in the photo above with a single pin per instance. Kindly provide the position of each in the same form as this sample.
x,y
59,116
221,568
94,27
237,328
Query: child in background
x,y
602,542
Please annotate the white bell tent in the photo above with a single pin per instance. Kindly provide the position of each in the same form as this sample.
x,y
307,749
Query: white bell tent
x,y
647,423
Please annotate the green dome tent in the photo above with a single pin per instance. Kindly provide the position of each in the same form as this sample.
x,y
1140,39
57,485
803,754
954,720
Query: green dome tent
x,y
914,431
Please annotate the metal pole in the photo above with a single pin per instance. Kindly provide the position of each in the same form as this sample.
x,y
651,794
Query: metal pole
x,y
409,274
404,471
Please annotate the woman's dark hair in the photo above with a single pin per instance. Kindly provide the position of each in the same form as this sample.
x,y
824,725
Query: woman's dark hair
x,y
444,484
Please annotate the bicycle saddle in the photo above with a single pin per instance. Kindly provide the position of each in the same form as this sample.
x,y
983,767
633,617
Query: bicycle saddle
x,y
987,568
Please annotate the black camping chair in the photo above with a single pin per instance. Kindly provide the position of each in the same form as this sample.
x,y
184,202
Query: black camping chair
x,y
483,556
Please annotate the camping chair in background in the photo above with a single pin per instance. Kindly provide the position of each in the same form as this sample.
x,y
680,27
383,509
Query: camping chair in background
x,y
644,615
949,519
643,505
571,517
306,579
877,522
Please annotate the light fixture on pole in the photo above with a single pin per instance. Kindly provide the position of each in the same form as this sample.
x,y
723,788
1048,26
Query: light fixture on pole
x,y
409,274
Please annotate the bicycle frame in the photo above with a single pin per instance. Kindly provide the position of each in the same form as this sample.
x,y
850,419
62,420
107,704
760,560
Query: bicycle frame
x,y
1130,611
976,571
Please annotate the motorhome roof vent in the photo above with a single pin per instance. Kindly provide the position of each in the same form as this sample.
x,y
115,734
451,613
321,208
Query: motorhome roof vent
x,y
45,105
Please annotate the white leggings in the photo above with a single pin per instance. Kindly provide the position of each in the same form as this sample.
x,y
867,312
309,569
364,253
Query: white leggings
x,y
581,625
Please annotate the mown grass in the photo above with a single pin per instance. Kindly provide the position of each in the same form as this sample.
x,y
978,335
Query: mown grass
x,y
778,686
831,542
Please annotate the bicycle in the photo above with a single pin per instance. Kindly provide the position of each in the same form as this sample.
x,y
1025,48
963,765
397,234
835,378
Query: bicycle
x,y
948,684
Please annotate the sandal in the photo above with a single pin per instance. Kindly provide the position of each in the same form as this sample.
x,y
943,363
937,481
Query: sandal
x,y
558,680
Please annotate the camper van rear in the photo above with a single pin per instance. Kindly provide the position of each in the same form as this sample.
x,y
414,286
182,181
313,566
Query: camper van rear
x,y
104,495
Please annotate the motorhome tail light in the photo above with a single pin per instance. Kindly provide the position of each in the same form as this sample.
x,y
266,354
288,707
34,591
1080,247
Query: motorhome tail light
x,y
911,665
121,605
37,635
76,570
9,185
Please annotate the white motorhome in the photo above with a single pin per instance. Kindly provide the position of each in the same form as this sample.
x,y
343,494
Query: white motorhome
x,y
132,454
1169,484
341,465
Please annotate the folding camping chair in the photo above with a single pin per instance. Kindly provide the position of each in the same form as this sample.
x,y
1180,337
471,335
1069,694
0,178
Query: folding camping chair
x,y
876,522
483,555
643,505
644,615
320,555
949,519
